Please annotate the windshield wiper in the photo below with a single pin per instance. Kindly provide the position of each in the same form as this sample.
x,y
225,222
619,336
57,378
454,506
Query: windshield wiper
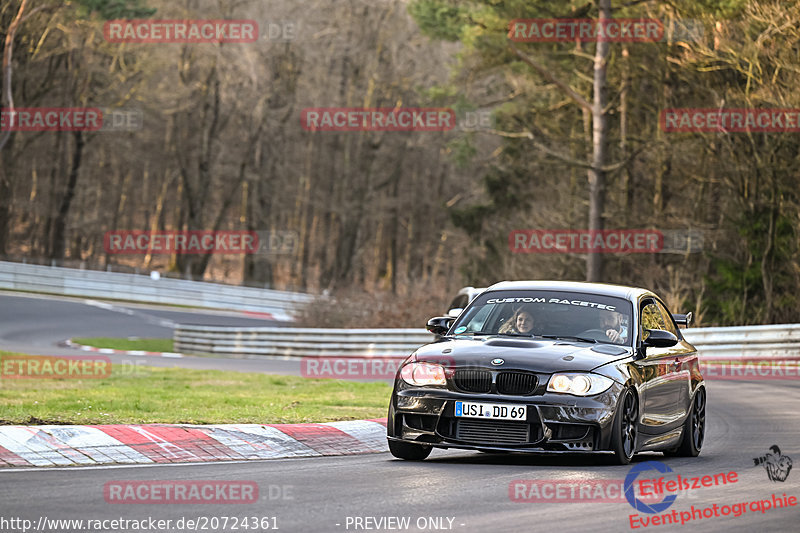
x,y
569,337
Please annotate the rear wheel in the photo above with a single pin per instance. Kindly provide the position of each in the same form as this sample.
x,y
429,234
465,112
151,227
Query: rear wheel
x,y
623,437
409,451
694,429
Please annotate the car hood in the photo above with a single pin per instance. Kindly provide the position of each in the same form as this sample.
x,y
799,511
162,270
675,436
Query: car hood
x,y
535,355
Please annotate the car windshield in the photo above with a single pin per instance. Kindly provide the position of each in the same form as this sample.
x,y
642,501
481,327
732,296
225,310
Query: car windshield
x,y
552,314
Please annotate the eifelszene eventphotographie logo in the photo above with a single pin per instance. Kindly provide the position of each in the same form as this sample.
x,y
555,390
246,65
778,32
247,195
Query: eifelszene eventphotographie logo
x,y
776,464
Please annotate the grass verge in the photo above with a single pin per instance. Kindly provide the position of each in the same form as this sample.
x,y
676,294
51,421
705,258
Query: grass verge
x,y
142,394
147,345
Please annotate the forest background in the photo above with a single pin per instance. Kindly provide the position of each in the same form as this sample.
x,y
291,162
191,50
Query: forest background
x,y
551,135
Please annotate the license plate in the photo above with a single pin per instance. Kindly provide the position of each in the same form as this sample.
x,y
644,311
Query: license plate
x,y
498,411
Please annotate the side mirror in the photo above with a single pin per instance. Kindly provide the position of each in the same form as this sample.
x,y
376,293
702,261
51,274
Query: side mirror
x,y
658,338
454,312
439,325
683,320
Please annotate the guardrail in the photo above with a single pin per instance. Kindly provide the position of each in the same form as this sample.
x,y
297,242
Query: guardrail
x,y
298,342
773,342
139,288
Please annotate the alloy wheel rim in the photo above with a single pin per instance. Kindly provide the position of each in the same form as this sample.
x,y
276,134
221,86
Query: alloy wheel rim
x,y
629,424
699,420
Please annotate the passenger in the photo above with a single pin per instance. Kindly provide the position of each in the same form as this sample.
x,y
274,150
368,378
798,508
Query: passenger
x,y
520,322
614,327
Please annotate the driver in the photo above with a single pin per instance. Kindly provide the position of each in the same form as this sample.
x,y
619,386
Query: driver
x,y
614,328
520,322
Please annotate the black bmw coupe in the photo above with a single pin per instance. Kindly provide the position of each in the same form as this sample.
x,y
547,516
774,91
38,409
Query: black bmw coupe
x,y
552,366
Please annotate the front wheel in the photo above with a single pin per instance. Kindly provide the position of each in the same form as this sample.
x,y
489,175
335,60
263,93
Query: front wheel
x,y
625,427
694,429
408,451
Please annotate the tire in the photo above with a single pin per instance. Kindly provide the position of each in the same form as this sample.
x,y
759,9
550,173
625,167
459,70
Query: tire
x,y
625,428
694,429
408,451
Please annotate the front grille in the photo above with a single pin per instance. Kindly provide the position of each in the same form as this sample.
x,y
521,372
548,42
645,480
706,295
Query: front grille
x,y
516,383
492,431
473,380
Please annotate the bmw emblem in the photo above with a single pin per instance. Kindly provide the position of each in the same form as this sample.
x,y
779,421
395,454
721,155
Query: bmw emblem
x,y
497,362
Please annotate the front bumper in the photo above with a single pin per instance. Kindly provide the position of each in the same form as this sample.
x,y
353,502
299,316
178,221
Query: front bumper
x,y
555,422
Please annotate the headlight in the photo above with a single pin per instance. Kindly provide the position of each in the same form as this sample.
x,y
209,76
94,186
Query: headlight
x,y
579,384
421,374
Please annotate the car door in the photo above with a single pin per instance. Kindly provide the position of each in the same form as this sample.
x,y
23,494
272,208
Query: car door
x,y
683,358
661,383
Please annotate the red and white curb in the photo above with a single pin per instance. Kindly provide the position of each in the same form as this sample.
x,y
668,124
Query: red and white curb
x,y
167,443
109,351
283,317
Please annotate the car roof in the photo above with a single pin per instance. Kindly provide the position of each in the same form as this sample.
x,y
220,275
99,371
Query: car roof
x,y
605,289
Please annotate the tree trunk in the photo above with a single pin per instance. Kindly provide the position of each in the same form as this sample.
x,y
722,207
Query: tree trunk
x,y
6,162
597,175
58,234
7,96
766,259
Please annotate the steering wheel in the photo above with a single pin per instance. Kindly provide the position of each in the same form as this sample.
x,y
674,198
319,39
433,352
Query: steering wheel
x,y
591,333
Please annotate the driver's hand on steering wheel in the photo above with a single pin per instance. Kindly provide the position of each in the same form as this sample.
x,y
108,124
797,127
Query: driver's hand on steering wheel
x,y
613,335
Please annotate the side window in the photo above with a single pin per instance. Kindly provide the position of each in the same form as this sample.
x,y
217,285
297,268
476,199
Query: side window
x,y
651,317
669,325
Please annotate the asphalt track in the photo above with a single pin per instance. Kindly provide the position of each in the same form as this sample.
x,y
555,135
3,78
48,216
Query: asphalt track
x,y
37,324
472,488
354,493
